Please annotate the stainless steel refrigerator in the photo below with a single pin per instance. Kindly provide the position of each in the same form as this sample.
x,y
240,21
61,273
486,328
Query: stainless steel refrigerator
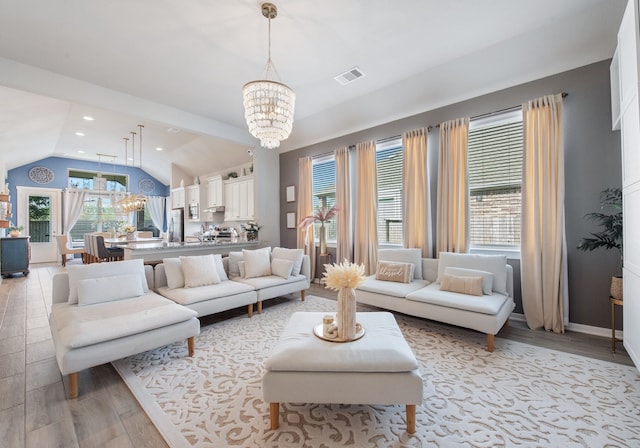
x,y
176,225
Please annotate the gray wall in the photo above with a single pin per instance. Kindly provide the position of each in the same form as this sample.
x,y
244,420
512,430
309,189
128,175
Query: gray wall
x,y
592,163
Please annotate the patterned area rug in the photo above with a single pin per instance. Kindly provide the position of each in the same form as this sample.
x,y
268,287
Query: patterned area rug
x,y
520,395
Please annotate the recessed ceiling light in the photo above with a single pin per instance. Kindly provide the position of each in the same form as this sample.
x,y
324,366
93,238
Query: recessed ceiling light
x,y
80,151
158,149
129,158
80,134
88,118
173,131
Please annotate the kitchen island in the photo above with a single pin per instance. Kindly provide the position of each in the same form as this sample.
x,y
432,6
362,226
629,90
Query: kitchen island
x,y
156,251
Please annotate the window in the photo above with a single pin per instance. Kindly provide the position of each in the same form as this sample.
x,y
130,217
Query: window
x,y
495,180
389,166
324,191
98,214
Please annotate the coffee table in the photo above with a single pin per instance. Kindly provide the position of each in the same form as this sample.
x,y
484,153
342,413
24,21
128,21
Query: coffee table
x,y
379,368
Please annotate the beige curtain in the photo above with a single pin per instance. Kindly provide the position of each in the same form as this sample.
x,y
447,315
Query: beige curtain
x,y
306,240
416,203
543,248
365,238
452,220
343,201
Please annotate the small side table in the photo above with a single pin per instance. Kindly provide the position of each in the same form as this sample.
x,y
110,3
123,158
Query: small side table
x,y
614,302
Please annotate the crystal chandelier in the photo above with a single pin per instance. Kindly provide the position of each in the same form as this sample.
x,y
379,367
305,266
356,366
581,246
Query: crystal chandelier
x,y
132,202
269,105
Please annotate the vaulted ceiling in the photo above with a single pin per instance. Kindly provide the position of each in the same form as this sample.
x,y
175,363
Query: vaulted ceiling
x,y
178,68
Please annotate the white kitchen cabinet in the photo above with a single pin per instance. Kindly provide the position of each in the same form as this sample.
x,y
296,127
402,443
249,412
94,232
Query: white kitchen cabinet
x,y
177,198
239,199
195,195
215,192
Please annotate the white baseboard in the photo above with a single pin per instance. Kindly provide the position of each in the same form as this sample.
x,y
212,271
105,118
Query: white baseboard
x,y
578,328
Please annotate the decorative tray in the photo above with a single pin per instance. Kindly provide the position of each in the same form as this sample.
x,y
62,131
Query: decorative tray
x,y
317,330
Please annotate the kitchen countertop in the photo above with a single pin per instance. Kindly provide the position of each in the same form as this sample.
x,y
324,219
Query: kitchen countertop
x,y
156,251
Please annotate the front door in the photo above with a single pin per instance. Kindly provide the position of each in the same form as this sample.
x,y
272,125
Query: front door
x,y
40,214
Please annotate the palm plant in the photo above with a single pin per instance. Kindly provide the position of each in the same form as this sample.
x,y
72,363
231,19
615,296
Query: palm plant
x,y
610,237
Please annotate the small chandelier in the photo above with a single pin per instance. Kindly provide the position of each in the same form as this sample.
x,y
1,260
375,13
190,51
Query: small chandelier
x,y
269,105
132,202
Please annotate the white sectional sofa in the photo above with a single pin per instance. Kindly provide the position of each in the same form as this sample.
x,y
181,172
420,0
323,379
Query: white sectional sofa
x,y
266,273
424,296
105,311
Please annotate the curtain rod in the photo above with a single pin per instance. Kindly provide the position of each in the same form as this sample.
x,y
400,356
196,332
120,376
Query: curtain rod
x,y
488,114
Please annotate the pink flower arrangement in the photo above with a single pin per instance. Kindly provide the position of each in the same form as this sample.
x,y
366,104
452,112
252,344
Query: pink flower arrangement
x,y
321,215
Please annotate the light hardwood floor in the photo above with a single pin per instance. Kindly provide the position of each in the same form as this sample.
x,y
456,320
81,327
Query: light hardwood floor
x,y
34,411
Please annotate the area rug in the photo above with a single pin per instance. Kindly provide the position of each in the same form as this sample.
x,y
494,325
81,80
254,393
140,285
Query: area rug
x,y
519,395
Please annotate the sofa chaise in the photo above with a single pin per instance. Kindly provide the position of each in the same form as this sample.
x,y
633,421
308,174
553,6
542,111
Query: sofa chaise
x,y
211,284
467,290
105,311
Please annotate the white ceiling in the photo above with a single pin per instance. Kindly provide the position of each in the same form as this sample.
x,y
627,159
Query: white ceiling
x,y
178,68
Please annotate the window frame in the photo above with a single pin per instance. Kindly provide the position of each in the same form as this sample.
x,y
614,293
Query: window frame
x,y
388,194
499,118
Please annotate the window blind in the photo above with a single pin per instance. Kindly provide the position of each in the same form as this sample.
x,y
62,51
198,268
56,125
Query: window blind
x,y
495,181
389,167
324,190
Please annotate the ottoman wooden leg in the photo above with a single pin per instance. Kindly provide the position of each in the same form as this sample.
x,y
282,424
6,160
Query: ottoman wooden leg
x,y
191,343
274,414
250,310
411,418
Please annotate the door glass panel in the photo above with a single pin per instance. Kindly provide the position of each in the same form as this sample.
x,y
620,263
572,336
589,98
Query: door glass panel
x,y
40,219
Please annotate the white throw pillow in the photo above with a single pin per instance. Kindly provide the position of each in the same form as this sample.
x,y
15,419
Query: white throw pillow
x,y
487,277
220,267
99,270
241,269
234,258
109,289
404,256
199,271
173,272
295,255
281,267
257,263
496,264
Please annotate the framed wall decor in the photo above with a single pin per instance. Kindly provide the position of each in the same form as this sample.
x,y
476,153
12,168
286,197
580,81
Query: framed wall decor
x,y
291,220
291,193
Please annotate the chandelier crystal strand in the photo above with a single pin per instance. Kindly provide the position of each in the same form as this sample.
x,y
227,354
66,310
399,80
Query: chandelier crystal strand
x,y
269,105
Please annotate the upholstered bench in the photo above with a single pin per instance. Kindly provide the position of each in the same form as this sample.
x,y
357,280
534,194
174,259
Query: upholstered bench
x,y
379,368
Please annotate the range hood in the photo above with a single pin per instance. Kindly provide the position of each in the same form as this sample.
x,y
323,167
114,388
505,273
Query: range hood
x,y
214,209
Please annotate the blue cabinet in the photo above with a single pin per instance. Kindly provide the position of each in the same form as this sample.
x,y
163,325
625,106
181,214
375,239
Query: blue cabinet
x,y
14,255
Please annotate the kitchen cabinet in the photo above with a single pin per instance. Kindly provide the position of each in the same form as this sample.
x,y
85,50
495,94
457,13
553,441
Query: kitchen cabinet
x,y
15,254
195,200
177,198
239,199
215,192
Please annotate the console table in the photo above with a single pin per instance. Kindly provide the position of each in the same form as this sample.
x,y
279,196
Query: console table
x,y
15,254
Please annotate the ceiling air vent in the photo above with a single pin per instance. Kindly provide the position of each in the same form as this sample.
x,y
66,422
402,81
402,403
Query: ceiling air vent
x,y
349,76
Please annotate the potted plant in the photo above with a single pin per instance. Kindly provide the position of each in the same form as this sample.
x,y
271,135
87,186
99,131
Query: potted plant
x,y
610,237
321,215
14,231
251,228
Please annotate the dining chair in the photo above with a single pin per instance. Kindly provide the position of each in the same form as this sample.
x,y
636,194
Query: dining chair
x,y
65,250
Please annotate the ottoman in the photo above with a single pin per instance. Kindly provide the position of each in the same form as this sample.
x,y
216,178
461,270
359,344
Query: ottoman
x,y
379,368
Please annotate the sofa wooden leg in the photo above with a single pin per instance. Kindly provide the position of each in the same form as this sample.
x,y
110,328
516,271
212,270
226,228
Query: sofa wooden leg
x,y
489,342
274,415
302,295
250,310
73,385
260,307
191,343
411,418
